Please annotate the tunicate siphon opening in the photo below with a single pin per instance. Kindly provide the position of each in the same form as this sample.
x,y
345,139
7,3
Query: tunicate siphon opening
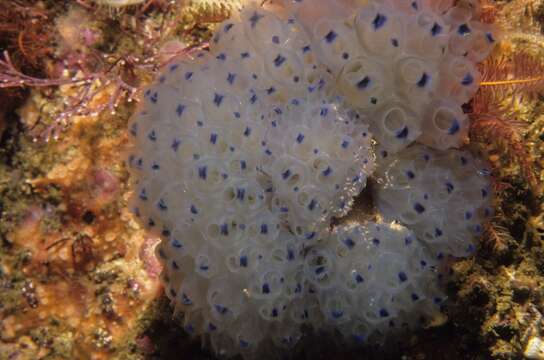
x,y
443,119
394,120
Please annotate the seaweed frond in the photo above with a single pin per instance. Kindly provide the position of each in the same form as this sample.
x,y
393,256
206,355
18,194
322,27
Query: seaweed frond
x,y
507,82
522,74
497,237
507,135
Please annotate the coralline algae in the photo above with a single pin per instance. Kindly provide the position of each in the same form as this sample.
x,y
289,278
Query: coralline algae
x,y
243,155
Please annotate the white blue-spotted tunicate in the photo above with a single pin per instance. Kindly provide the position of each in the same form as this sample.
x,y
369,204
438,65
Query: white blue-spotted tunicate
x,y
443,197
245,156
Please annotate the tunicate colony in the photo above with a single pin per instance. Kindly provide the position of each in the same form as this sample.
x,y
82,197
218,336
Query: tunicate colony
x,y
243,157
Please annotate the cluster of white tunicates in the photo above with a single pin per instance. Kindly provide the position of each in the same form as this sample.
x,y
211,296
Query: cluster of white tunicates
x,y
441,196
409,65
245,156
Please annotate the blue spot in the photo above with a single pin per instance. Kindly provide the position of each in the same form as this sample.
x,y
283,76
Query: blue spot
x,y
437,232
345,56
243,261
402,276
359,278
484,193
175,265
221,57
180,109
363,84
312,205
286,174
255,18
454,128
419,208
349,243
202,172
152,135
213,138
379,21
337,314
188,75
331,35
221,309
467,80
296,79
449,187
359,339
414,5
403,134
154,97
468,215
230,78
395,42
408,240
490,37
305,49
376,241
143,195
193,210
275,39
186,300
463,30
240,194
310,236
173,67
253,99
134,129
244,55
345,144
423,81
323,112
290,254
279,60
384,313
410,174
436,29
228,27
243,164
373,100
266,288
155,166
217,99
162,205
212,327
300,138
414,297
270,90
176,243
327,171
224,229
247,131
